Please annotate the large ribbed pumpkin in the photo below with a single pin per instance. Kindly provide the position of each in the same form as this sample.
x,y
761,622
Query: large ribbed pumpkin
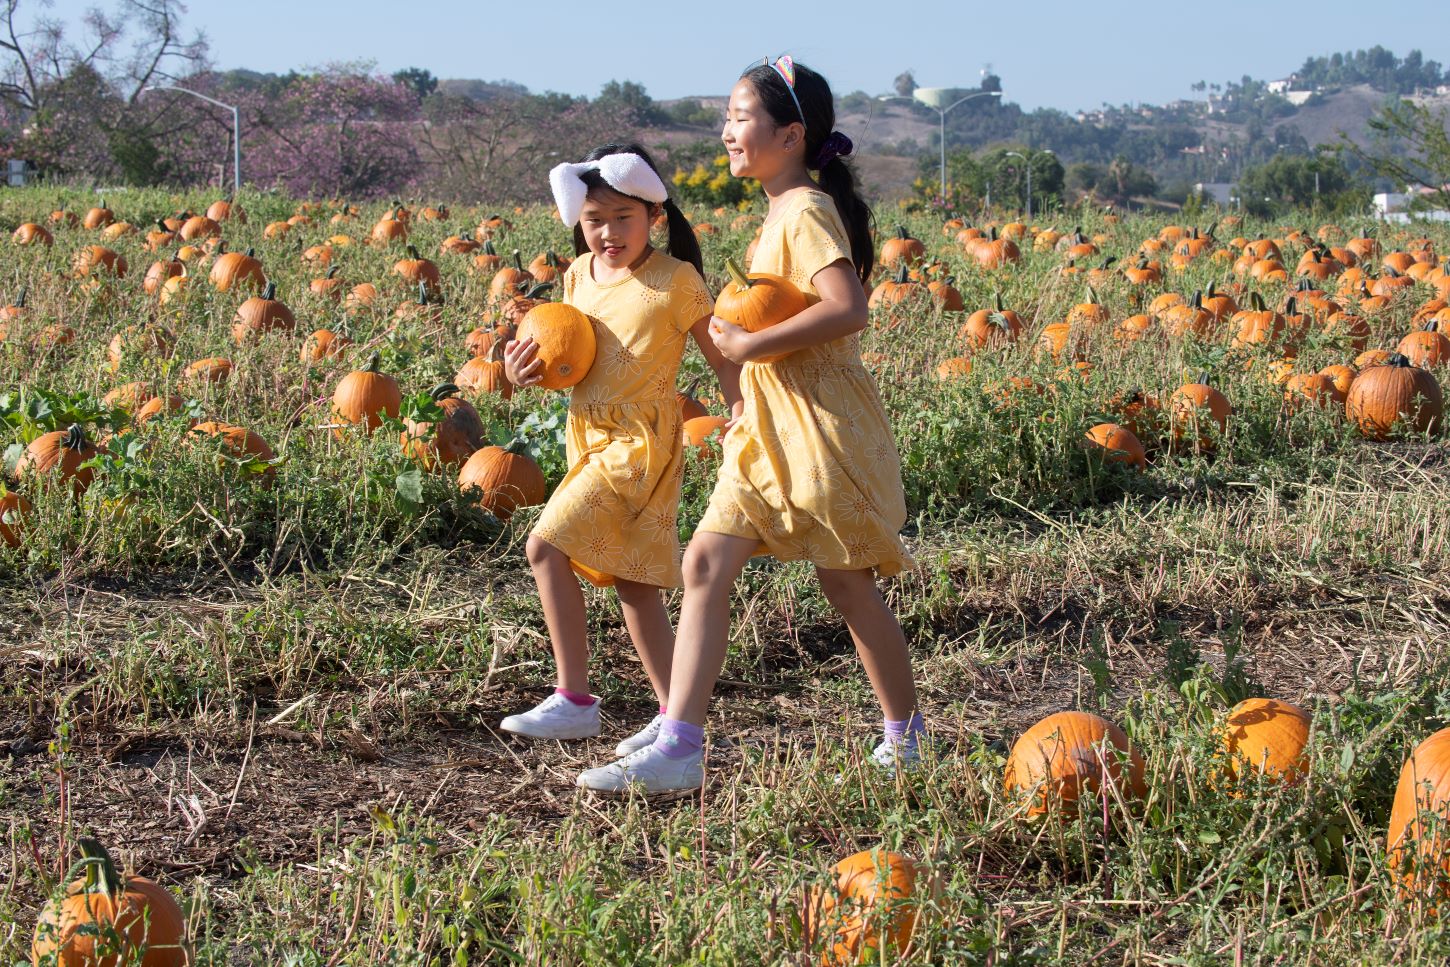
x,y
60,454
502,479
1419,847
451,440
107,919
1394,395
871,909
237,270
758,301
1266,736
1067,753
366,396
566,342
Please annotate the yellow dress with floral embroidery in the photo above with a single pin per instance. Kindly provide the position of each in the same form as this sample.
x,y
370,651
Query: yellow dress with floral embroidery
x,y
811,470
615,510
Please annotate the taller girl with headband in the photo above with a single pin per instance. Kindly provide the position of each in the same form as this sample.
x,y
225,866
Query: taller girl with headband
x,y
810,472
612,518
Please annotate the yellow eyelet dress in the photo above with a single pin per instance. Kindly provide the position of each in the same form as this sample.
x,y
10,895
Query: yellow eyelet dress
x,y
811,470
615,511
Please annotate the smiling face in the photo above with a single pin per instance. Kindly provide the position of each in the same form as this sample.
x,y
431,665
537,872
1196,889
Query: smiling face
x,y
756,145
616,227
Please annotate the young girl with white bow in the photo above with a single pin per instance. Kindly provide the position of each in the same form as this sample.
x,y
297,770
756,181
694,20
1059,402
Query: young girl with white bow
x,y
810,471
612,519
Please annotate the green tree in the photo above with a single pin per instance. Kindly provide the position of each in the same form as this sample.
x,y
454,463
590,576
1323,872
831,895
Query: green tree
x,y
420,81
1301,181
1409,145
631,97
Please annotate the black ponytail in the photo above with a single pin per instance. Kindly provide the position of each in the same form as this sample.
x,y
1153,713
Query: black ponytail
x,y
680,242
818,112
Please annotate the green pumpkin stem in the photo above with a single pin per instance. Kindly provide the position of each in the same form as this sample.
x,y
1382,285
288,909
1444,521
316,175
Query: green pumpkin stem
x,y
902,233
332,272
737,275
75,438
903,277
374,361
518,262
488,248
101,873
20,299
269,292
442,391
412,251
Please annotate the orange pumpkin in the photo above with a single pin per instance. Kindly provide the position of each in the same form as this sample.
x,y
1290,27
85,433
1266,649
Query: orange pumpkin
x,y
1419,849
758,301
1117,444
565,340
451,440
366,396
1395,394
1267,737
1066,754
13,509
58,456
1193,407
105,919
871,909
502,479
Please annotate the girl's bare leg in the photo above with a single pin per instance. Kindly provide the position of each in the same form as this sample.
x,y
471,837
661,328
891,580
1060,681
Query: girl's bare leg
x,y
880,642
563,603
712,563
649,628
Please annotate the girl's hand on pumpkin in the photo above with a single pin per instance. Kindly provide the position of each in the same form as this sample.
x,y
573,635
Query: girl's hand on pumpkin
x,y
521,362
734,343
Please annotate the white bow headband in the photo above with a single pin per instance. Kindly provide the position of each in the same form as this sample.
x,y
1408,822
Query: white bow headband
x,y
628,174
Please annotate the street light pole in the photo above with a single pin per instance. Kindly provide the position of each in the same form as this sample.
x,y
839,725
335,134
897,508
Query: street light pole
x,y
942,112
236,131
1027,163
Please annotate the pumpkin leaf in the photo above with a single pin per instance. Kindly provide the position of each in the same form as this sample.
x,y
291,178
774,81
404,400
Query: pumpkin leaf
x,y
409,485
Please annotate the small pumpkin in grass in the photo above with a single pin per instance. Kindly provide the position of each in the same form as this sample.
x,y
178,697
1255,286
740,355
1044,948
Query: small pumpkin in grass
x,y
1417,842
128,396
699,430
893,291
237,270
953,368
1315,388
548,267
1395,395
486,259
391,229
871,910
417,271
991,328
1133,328
323,344
1143,272
1088,313
1267,737
158,406
262,314
946,295
223,210
239,443
198,227
423,305
160,271
365,396
458,245
361,296
481,339
107,919
566,343
1116,444
97,260
13,509
1194,408
29,233
330,286
994,252
502,479
758,301
451,440
1139,413
486,373
98,217
209,371
902,248
1257,326
513,309
1425,347
58,456
507,279
16,309
1342,376
1069,753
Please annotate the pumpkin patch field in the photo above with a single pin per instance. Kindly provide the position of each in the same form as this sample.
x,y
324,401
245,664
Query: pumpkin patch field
x,y
1178,502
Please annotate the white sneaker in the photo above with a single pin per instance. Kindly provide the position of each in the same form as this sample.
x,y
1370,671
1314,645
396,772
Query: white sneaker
x,y
555,718
649,771
645,736
905,757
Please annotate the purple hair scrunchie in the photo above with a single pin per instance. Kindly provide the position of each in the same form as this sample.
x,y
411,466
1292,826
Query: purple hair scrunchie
x,y
836,145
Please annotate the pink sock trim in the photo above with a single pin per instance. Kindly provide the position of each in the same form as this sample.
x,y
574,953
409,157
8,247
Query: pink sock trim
x,y
574,697
662,710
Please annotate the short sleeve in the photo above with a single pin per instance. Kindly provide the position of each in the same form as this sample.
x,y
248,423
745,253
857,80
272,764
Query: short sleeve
x,y
689,298
815,240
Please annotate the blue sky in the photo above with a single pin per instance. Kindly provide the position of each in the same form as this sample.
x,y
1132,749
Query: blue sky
x,y
1068,55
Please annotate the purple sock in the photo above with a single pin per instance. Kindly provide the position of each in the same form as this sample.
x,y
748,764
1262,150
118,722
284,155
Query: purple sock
x,y
679,739
903,734
574,697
